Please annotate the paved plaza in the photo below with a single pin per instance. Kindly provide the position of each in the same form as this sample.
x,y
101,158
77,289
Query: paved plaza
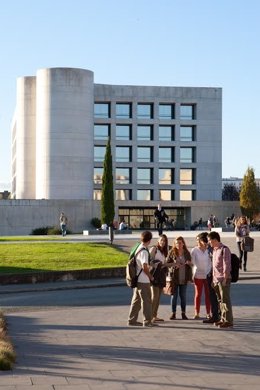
x,y
76,347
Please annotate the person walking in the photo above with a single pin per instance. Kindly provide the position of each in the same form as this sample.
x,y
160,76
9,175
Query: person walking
x,y
160,218
158,255
200,258
221,267
181,273
242,230
141,298
63,224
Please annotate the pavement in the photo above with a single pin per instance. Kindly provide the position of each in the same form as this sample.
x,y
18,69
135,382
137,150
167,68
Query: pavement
x,y
91,348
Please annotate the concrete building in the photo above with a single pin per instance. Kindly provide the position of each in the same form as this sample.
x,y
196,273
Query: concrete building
x,y
166,144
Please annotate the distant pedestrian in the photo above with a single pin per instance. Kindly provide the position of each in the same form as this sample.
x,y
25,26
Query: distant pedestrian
x,y
63,224
160,218
221,267
242,230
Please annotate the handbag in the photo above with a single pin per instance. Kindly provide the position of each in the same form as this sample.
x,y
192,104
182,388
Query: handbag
x,y
169,289
247,244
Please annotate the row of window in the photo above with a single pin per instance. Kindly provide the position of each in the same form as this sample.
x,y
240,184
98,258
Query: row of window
x,y
144,111
164,195
145,176
146,154
144,132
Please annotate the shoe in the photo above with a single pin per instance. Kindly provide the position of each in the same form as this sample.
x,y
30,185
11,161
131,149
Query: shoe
x,y
209,321
208,316
245,269
196,317
225,325
183,316
217,323
149,325
135,323
156,319
173,316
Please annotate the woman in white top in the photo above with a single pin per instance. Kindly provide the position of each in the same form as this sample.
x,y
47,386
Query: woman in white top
x,y
201,261
158,256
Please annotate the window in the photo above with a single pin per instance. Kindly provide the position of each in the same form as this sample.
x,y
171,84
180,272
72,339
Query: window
x,y
144,176
99,153
123,194
124,132
144,154
145,111
123,176
166,111
187,111
144,195
102,110
144,133
166,176
166,155
98,173
166,195
97,194
186,176
187,195
123,154
166,133
187,133
101,131
187,155
123,110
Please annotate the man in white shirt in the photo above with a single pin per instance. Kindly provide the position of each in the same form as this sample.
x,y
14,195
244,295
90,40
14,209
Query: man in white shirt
x,y
142,293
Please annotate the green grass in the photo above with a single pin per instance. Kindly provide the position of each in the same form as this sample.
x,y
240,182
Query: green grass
x,y
30,238
20,258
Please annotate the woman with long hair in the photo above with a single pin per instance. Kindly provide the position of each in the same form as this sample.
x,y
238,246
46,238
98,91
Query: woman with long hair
x,y
181,272
158,255
242,230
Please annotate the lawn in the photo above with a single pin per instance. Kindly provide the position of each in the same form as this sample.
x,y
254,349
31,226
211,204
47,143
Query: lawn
x,y
17,258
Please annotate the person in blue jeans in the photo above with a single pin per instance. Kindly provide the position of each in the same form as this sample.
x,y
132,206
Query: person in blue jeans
x,y
181,273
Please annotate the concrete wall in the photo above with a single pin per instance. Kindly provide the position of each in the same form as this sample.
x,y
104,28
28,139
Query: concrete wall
x,y
20,217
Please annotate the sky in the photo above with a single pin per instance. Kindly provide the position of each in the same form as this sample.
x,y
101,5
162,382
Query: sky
x,y
186,43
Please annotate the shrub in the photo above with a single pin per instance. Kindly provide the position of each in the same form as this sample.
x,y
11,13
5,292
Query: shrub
x,y
47,230
7,353
96,222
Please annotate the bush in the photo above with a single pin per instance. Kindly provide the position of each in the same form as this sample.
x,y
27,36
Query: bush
x,y
47,230
96,223
7,353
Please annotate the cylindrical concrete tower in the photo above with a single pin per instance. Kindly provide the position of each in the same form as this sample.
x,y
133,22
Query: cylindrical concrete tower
x,y
64,134
25,138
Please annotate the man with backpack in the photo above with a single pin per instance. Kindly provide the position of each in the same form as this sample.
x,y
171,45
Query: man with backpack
x,y
221,271
142,293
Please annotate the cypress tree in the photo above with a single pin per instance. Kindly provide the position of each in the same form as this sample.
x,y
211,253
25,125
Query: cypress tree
x,y
249,195
107,197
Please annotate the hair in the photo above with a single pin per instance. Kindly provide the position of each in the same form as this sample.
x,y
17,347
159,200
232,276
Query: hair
x,y
241,222
214,236
203,237
174,251
146,236
163,250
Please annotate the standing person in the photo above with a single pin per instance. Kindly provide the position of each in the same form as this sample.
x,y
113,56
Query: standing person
x,y
63,224
200,258
242,230
142,293
180,259
221,267
158,255
160,218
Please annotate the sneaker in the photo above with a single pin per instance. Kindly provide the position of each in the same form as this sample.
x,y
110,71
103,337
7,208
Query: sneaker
x,y
149,325
156,319
225,325
196,317
173,316
183,316
135,323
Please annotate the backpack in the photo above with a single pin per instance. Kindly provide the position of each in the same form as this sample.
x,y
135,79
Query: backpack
x,y
234,267
131,276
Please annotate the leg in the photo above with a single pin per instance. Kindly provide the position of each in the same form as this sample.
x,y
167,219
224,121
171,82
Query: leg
x,y
245,260
207,298
226,308
183,290
155,290
135,306
174,299
240,254
198,284
146,302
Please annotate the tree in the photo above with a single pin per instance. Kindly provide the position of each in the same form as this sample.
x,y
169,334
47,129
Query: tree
x,y
249,195
230,192
107,197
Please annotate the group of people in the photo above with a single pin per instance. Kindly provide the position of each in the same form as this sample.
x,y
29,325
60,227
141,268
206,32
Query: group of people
x,y
207,266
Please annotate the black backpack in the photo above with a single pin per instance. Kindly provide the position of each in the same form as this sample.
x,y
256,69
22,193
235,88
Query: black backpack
x,y
234,267
131,275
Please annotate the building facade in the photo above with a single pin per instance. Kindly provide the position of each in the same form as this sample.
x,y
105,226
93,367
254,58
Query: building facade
x,y
166,143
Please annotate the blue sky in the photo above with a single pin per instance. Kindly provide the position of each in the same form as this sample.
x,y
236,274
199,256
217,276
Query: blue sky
x,y
200,43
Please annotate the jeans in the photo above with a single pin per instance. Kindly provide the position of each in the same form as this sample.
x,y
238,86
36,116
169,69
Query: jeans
x,y
180,289
241,254
63,229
